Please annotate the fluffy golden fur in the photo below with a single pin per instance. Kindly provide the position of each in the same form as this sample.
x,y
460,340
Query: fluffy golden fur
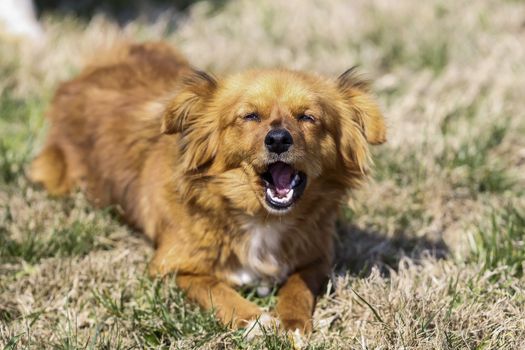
x,y
186,157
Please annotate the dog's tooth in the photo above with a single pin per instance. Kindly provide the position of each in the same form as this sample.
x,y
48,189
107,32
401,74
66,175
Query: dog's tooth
x,y
295,180
281,200
272,195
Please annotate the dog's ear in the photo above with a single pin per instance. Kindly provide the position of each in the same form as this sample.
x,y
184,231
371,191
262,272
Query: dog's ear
x,y
196,88
362,122
185,114
364,108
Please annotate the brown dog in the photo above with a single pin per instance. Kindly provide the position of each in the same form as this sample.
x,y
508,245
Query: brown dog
x,y
237,181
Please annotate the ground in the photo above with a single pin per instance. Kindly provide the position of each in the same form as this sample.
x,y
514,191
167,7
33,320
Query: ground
x,y
431,252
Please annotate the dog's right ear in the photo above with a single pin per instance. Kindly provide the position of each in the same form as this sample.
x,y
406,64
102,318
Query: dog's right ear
x,y
186,114
196,88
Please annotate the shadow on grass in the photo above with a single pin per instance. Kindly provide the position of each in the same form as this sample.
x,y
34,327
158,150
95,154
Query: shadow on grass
x,y
358,250
123,11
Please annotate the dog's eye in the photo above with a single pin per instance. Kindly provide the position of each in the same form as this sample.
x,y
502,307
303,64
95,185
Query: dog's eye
x,y
306,118
252,117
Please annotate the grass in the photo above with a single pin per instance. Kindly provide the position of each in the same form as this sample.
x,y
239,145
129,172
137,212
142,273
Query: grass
x,y
79,238
430,253
160,315
21,118
500,247
481,172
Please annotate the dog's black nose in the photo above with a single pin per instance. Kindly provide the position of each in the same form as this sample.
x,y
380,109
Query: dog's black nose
x,y
278,140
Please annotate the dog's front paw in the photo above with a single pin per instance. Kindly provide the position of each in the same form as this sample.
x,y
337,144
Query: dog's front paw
x,y
300,325
299,339
297,330
258,326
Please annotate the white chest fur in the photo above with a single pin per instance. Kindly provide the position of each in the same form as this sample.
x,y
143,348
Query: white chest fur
x,y
262,264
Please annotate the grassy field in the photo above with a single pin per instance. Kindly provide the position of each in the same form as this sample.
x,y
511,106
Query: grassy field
x,y
431,252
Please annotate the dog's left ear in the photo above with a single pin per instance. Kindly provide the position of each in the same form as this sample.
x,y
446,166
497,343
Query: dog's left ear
x,y
186,114
364,108
361,124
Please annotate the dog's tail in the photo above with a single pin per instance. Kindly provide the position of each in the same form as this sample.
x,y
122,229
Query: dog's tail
x,y
49,169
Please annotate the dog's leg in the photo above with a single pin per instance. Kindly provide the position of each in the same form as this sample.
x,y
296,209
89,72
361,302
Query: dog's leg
x,y
296,298
50,170
230,307
206,290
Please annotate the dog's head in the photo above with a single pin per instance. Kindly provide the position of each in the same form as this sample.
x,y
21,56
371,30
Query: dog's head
x,y
271,135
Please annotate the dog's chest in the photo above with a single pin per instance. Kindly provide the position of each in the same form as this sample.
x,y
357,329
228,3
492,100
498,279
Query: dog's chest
x,y
262,260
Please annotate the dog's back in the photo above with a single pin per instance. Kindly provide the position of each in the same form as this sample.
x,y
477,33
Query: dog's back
x,y
105,121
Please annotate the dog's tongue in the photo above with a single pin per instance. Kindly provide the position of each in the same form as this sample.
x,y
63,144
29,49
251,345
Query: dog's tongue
x,y
282,175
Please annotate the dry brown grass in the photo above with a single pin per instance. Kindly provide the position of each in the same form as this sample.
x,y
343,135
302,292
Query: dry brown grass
x,y
432,251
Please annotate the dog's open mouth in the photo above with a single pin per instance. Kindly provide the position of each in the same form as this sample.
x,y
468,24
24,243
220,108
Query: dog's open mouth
x,y
283,185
